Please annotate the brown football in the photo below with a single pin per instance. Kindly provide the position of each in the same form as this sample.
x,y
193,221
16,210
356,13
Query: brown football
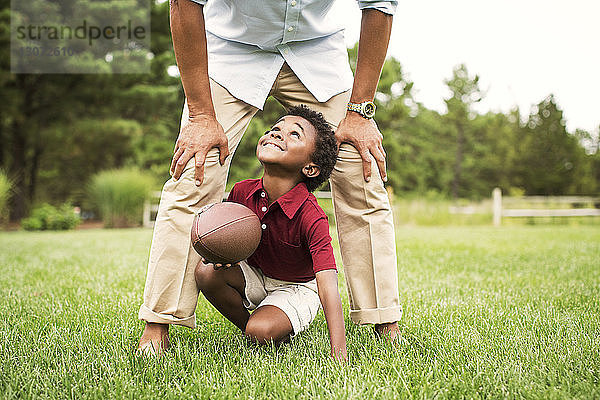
x,y
225,233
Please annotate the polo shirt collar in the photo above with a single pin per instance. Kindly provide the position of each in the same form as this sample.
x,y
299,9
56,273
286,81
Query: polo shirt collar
x,y
290,202
254,187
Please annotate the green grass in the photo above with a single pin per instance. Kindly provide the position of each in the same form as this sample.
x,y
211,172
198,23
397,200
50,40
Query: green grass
x,y
489,313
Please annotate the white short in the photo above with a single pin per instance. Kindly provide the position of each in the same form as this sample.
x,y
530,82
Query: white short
x,y
299,301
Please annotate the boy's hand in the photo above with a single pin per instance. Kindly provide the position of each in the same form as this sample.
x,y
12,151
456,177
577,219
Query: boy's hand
x,y
340,353
201,134
217,266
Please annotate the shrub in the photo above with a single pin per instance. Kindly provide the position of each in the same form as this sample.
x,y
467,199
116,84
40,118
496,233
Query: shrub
x,y
119,195
47,217
5,188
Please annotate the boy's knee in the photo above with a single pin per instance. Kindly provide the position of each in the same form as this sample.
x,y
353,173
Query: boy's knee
x,y
262,331
205,277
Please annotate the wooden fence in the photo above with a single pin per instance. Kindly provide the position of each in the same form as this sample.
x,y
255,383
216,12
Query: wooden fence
x,y
542,206
502,207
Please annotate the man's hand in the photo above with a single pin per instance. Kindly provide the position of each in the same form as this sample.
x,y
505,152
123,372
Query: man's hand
x,y
201,134
364,135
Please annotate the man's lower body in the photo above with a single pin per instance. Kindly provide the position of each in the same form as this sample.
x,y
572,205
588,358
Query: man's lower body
x,y
362,210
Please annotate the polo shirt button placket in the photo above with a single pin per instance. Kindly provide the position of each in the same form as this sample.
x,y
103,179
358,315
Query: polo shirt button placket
x,y
264,226
263,200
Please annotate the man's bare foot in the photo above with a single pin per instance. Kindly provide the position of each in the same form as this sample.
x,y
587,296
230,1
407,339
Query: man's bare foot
x,y
388,330
154,340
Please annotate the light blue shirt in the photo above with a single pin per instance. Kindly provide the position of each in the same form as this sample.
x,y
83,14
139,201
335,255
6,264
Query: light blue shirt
x,y
249,40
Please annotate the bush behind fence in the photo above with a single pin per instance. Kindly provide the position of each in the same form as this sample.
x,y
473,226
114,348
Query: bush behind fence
x,y
119,195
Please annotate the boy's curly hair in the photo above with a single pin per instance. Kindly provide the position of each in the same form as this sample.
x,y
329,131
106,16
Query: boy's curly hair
x,y
326,150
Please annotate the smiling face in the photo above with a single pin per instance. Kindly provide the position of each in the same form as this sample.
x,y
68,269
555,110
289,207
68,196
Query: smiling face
x,y
289,145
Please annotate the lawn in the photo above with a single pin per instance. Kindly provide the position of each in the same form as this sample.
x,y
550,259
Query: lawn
x,y
496,313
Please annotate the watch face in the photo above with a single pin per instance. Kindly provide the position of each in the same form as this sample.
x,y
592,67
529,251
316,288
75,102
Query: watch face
x,y
369,109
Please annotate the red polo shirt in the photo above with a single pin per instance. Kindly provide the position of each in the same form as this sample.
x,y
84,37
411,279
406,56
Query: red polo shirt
x,y
295,242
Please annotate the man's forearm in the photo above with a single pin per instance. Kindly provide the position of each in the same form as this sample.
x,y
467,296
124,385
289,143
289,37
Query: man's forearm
x,y
375,31
189,44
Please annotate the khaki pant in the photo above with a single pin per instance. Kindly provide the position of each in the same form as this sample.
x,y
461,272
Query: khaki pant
x,y
362,212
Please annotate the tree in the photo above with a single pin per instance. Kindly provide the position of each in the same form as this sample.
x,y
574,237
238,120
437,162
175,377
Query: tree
x,y
465,92
492,153
68,126
551,160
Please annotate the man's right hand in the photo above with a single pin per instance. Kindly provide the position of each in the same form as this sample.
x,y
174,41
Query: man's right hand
x,y
196,138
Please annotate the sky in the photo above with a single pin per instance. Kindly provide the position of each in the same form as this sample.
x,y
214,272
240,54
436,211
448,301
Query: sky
x,y
522,50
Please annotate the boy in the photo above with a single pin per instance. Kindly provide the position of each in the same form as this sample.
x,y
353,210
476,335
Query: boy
x,y
293,270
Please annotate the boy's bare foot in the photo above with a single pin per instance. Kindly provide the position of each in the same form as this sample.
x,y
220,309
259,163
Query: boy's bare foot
x,y
388,330
154,340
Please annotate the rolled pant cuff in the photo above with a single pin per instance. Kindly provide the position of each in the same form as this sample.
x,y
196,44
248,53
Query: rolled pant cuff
x,y
148,315
376,315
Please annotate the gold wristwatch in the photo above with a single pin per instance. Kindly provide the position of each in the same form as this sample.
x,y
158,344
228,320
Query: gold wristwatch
x,y
366,109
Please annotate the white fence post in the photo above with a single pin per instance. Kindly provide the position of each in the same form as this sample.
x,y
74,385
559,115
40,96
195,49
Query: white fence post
x,y
497,206
505,207
150,206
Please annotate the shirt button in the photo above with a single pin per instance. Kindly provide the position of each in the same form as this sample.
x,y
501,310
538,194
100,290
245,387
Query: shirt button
x,y
293,3
291,28
264,226
264,209
262,194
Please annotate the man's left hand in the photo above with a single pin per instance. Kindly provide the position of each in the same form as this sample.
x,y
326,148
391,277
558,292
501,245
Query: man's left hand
x,y
363,134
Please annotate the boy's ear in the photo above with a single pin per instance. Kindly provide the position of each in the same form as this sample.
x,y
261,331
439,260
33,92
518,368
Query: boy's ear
x,y
311,170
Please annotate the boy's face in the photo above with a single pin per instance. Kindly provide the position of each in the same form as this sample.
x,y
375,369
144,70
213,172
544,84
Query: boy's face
x,y
289,144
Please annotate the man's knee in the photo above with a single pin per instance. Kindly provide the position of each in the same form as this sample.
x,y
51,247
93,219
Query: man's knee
x,y
349,167
183,192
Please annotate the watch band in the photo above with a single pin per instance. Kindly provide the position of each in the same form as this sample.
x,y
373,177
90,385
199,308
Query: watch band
x,y
355,107
366,109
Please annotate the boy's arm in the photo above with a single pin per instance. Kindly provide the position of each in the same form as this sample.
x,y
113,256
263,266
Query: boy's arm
x,y
327,285
319,244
